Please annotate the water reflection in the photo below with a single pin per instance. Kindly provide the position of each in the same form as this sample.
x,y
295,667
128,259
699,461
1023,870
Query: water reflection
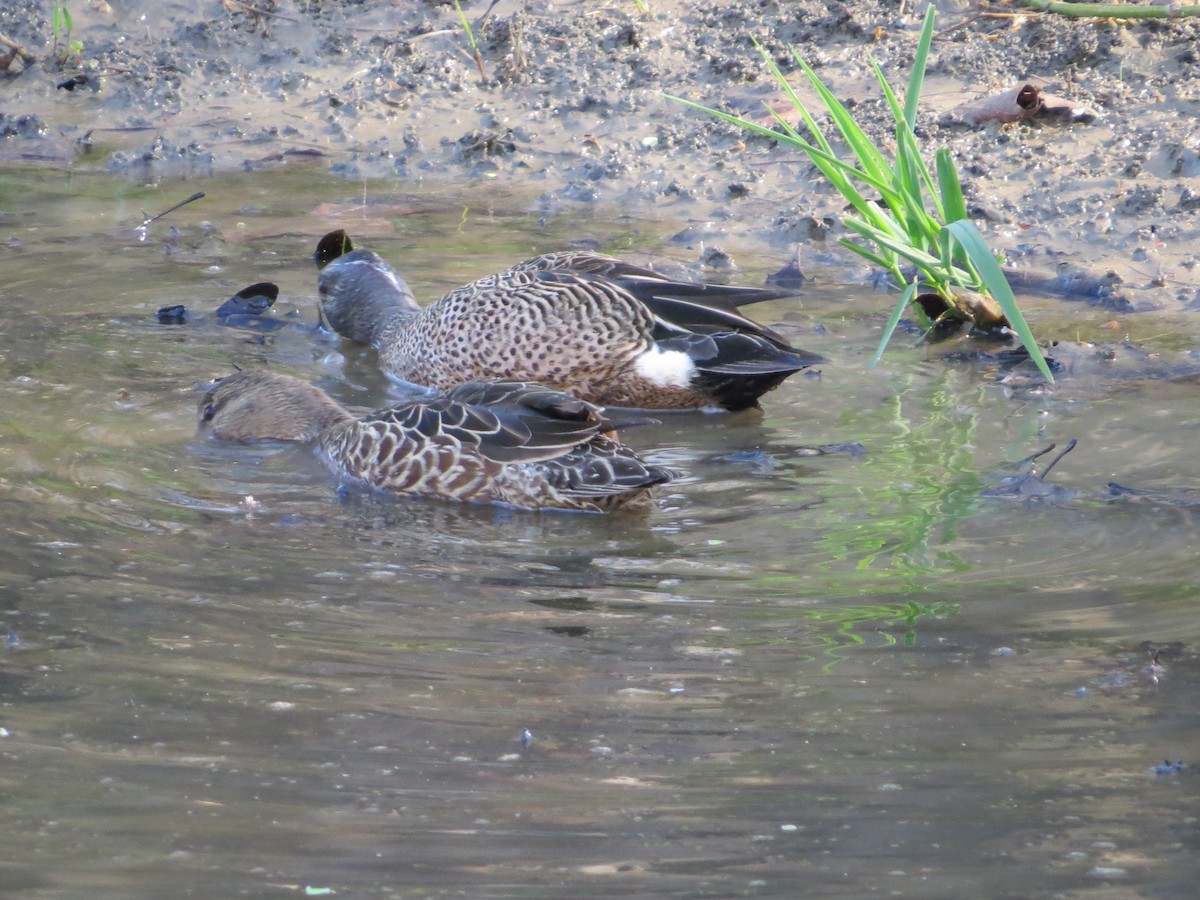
x,y
799,673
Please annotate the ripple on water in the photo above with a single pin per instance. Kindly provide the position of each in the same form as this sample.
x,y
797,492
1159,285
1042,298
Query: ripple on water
x,y
783,678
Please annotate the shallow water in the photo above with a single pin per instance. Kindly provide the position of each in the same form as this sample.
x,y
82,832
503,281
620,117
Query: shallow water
x,y
847,673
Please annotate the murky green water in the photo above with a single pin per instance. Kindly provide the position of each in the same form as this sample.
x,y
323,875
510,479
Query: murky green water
x,y
844,674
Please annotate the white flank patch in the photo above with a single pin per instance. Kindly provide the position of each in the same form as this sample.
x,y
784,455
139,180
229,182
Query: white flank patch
x,y
666,368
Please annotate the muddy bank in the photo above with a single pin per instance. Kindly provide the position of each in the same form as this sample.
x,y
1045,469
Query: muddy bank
x,y
569,110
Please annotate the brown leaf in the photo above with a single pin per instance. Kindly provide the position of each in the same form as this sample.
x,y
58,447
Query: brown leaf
x,y
1023,102
1061,107
1012,106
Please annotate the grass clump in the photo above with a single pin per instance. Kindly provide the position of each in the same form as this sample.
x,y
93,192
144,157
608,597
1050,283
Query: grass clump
x,y
61,26
904,215
470,33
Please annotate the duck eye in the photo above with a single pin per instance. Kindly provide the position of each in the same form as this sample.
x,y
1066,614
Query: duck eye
x,y
209,412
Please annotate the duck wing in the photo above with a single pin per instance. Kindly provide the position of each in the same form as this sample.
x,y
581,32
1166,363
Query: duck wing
x,y
646,284
736,353
604,469
686,304
504,421
699,314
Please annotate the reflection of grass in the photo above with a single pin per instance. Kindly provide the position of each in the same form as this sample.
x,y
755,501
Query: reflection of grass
x,y
836,629
850,621
911,497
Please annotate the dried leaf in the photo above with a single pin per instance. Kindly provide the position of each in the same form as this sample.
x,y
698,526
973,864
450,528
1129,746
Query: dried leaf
x,y
1023,102
1063,108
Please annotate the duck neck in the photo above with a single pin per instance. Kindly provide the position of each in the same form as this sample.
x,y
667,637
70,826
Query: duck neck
x,y
372,318
304,417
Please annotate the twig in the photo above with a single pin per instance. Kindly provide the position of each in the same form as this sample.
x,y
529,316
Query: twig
x,y
1054,462
430,34
146,220
25,55
255,11
983,15
487,12
1108,11
517,37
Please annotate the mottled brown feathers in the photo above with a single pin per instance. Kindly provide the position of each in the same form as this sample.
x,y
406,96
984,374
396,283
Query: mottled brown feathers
x,y
509,442
611,332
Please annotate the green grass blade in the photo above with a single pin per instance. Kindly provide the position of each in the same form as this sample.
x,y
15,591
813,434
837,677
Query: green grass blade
x,y
798,104
885,260
860,145
462,17
921,228
882,224
953,204
869,255
889,329
889,95
899,246
908,154
917,79
906,148
793,135
911,176
834,169
728,117
993,278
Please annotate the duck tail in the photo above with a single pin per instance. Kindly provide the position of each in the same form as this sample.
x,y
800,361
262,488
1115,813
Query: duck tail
x,y
746,367
737,392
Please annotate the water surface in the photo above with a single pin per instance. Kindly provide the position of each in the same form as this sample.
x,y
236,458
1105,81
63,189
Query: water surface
x,y
844,673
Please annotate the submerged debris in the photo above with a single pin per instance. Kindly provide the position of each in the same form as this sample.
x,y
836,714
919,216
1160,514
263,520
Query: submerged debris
x,y
1030,486
1167,767
789,277
1180,497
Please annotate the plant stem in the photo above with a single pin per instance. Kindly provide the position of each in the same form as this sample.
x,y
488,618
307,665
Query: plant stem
x,y
1108,11
475,54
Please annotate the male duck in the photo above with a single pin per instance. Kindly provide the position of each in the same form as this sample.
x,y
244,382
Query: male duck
x,y
610,332
504,442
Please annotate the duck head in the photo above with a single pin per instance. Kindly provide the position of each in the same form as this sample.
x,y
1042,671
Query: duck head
x,y
258,405
359,292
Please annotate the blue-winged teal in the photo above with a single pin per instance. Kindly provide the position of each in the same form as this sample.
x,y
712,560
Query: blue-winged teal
x,y
610,332
502,441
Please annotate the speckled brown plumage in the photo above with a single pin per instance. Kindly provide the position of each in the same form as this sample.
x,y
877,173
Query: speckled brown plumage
x,y
611,332
505,442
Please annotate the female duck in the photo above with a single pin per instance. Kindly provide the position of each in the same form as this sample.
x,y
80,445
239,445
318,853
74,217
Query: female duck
x,y
500,442
610,332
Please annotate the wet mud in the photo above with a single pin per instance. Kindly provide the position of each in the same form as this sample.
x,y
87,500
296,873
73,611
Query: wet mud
x,y
564,104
